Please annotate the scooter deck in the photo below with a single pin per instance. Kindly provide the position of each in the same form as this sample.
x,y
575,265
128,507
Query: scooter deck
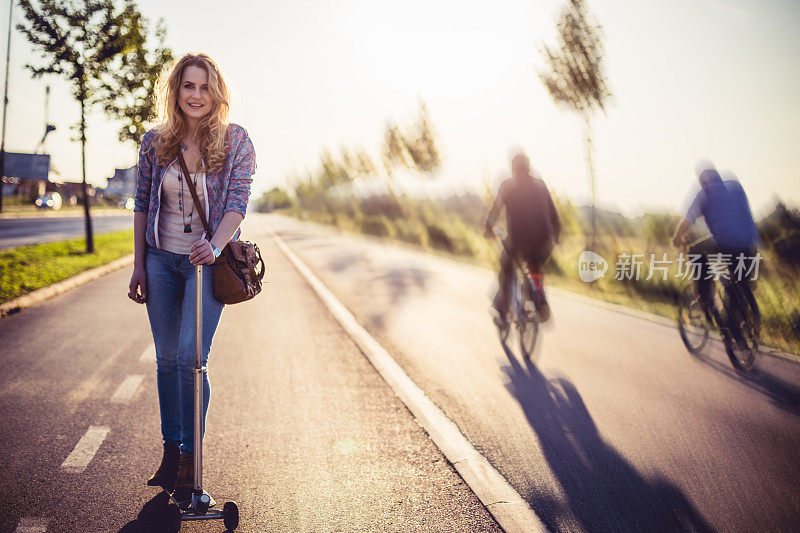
x,y
187,505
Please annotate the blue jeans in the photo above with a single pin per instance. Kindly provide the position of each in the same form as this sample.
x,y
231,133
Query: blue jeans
x,y
170,307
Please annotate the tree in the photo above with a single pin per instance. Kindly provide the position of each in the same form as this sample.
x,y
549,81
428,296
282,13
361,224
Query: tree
x,y
78,40
394,151
659,227
333,173
127,88
348,166
364,164
415,148
576,77
422,143
275,198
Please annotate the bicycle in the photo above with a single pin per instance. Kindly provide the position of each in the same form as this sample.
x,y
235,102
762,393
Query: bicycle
x,y
526,293
737,323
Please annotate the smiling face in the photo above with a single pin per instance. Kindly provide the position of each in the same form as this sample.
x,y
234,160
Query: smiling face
x,y
194,98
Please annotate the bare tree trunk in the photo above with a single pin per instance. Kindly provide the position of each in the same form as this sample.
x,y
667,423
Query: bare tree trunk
x,y
87,217
592,186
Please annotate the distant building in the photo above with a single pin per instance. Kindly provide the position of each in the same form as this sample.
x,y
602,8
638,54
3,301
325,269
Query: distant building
x,y
25,174
123,184
72,192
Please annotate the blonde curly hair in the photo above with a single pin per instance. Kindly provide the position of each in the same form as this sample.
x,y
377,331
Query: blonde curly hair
x,y
212,127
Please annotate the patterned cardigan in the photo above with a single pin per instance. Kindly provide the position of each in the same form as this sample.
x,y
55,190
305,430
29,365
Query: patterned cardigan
x,y
226,190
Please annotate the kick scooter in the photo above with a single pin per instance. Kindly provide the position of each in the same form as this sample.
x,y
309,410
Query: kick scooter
x,y
198,509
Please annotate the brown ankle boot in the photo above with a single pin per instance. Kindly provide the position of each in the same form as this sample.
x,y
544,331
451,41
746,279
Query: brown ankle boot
x,y
184,486
185,479
167,472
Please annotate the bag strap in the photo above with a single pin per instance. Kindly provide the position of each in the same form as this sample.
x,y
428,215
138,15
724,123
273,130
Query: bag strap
x,y
190,186
260,275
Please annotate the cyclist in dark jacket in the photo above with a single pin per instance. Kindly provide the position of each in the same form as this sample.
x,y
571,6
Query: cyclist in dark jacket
x,y
533,228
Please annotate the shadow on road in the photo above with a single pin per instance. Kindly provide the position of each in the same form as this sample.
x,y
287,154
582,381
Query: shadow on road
x,y
781,393
602,491
398,282
401,281
153,518
346,261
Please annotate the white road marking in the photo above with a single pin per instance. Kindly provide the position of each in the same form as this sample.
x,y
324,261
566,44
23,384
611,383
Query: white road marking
x,y
31,525
84,451
127,389
505,504
148,355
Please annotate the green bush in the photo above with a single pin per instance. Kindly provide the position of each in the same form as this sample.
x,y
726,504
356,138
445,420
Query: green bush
x,y
275,198
439,238
386,204
347,222
464,240
378,225
412,230
17,200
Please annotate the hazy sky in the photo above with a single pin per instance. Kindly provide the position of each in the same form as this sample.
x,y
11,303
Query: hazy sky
x,y
717,78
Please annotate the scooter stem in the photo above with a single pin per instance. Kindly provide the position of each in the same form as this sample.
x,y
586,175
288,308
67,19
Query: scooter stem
x,y
199,371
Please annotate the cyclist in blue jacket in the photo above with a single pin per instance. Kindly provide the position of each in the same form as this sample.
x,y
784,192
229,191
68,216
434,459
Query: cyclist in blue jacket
x,y
724,207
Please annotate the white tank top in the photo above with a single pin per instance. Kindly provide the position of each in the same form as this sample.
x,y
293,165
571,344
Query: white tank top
x,y
176,196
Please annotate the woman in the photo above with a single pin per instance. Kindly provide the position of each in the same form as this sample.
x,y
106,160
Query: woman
x,y
193,105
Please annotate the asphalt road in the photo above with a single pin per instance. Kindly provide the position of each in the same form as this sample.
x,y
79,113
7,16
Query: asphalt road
x,y
33,230
302,432
614,428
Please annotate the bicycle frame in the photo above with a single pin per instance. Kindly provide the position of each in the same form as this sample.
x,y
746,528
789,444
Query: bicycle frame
x,y
738,325
734,303
523,278
517,284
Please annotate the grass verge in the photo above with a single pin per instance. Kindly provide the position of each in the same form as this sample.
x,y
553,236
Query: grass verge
x,y
28,268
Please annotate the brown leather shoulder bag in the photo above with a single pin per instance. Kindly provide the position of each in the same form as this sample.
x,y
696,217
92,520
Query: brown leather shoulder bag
x,y
236,278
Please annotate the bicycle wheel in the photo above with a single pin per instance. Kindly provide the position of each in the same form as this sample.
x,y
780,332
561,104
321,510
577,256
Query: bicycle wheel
x,y
693,323
503,331
740,343
528,325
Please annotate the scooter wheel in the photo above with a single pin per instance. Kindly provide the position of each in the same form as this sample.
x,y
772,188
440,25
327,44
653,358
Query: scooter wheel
x,y
201,503
175,517
230,515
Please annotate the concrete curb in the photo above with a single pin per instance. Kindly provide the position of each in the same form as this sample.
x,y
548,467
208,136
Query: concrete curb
x,y
509,509
45,293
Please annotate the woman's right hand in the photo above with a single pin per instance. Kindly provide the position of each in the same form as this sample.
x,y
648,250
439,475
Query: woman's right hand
x,y
137,289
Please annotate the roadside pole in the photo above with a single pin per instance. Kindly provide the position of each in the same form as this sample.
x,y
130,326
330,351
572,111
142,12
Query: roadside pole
x,y
5,105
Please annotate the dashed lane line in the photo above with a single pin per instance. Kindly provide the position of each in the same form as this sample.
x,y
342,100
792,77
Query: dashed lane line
x,y
148,355
127,389
83,453
32,525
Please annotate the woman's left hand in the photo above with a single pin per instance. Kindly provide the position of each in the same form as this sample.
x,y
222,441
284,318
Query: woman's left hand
x,y
202,253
